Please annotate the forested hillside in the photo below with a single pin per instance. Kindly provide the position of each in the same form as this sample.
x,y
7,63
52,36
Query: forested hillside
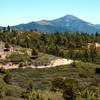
x,y
78,46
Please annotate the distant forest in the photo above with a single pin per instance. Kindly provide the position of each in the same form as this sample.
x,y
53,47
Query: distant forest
x,y
67,45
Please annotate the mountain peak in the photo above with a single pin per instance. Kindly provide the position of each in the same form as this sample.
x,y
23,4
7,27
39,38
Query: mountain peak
x,y
66,18
70,17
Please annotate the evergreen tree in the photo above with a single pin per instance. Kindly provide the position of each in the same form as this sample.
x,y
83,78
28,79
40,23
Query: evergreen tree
x,y
34,52
7,45
8,28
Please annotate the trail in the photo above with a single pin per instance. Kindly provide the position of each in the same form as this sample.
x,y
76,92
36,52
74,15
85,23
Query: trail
x,y
53,63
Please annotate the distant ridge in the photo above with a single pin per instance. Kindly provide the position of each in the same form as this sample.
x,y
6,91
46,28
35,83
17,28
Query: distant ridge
x,y
1,27
98,25
68,23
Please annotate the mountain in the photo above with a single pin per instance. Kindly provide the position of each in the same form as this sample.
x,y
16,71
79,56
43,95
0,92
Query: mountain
x,y
68,23
1,27
97,25
42,26
75,24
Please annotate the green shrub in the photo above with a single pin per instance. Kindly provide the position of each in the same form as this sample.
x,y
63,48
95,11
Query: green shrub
x,y
57,83
71,82
88,94
73,64
72,93
2,70
2,93
34,52
60,83
8,77
17,58
83,75
3,61
7,45
34,95
30,85
9,92
69,93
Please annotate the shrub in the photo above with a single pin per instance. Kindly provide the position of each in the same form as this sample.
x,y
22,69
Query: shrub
x,y
8,77
34,52
9,92
83,75
98,70
30,85
34,95
21,65
57,83
7,45
87,94
3,61
2,70
72,93
71,82
17,58
2,93
69,93
73,64
60,83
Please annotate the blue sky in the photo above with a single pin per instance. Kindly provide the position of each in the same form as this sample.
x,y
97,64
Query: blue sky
x,y
13,12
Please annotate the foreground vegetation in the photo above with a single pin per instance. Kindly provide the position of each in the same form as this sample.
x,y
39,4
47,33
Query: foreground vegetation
x,y
78,82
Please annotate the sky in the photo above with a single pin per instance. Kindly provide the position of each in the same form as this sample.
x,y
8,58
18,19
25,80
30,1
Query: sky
x,y
13,12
